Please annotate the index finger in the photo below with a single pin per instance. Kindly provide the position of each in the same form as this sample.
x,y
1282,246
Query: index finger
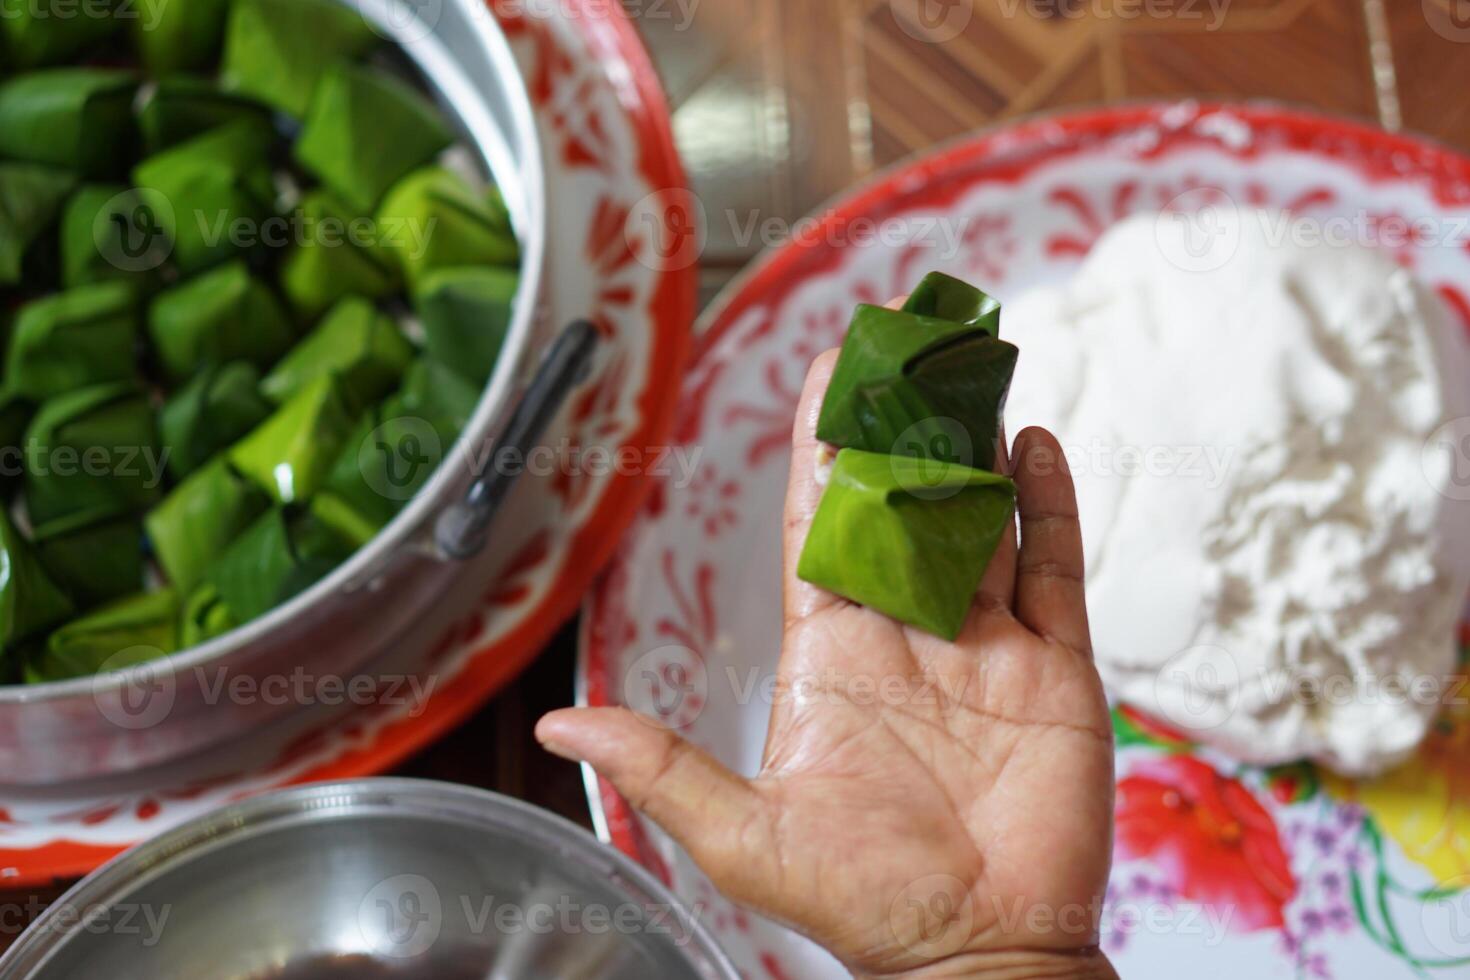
x,y
804,491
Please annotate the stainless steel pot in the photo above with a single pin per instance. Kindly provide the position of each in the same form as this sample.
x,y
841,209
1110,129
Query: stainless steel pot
x,y
364,612
416,879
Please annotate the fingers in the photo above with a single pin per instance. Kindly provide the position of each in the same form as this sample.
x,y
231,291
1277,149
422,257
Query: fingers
x,y
998,587
1050,597
804,492
704,806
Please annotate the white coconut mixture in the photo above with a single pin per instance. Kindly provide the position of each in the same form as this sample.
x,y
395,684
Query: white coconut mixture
x,y
1276,556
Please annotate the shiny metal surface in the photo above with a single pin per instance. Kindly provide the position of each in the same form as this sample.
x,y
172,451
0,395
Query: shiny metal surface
x,y
151,715
427,880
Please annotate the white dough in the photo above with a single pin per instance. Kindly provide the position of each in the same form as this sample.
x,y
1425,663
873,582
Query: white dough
x,y
1268,499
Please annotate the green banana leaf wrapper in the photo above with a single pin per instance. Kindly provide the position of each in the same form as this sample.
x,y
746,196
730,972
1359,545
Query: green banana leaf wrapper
x,y
908,536
33,34
205,187
394,451
84,336
217,408
290,454
913,385
365,131
199,519
277,558
356,342
466,313
79,119
179,35
277,50
129,632
31,199
183,107
205,617
29,601
433,219
98,244
94,560
336,256
942,297
92,451
220,316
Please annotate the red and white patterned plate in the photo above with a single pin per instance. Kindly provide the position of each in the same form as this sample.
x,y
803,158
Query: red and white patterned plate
x,y
1281,873
608,145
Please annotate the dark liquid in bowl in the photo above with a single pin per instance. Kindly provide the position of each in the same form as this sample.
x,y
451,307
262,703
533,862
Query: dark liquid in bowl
x,y
368,968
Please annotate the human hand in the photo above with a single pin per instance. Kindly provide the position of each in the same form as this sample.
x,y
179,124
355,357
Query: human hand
x,y
961,829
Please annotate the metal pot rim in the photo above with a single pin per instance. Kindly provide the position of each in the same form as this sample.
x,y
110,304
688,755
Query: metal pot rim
x,y
530,213
435,801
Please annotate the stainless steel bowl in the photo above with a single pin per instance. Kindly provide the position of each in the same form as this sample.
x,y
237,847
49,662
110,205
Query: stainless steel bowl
x,y
416,879
366,612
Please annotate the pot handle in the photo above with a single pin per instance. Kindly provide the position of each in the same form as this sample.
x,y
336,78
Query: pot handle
x,y
461,531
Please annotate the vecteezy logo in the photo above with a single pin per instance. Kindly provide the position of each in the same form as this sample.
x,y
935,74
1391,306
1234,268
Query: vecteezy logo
x,y
669,685
397,455
1199,230
937,445
130,231
1445,459
1199,688
145,695
1450,19
933,917
934,21
401,917
1444,921
667,230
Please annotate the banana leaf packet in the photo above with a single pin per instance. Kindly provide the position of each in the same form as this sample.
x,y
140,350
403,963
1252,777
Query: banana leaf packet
x,y
33,34
289,454
182,107
179,35
199,519
394,451
906,525
84,336
222,315
92,451
31,199
131,631
910,383
95,559
356,342
277,50
78,119
217,408
433,219
365,131
466,314
336,256
204,189
30,601
98,226
278,557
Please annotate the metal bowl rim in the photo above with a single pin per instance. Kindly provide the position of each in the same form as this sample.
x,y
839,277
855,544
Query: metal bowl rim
x,y
426,800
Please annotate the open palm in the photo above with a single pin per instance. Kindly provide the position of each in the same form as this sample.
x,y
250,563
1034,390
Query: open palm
x,y
924,808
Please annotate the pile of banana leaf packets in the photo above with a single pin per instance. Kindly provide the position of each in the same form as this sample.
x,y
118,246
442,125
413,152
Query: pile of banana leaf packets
x,y
240,253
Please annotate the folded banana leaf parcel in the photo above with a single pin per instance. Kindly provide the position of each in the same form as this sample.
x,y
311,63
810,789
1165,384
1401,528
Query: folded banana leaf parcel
x,y
912,513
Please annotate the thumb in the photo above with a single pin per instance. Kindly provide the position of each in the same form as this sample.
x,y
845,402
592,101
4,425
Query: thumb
x,y
718,817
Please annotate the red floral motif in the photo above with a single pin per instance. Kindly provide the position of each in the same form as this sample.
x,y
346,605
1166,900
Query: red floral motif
x,y
774,417
595,421
514,584
989,246
552,61
695,628
1213,839
711,501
